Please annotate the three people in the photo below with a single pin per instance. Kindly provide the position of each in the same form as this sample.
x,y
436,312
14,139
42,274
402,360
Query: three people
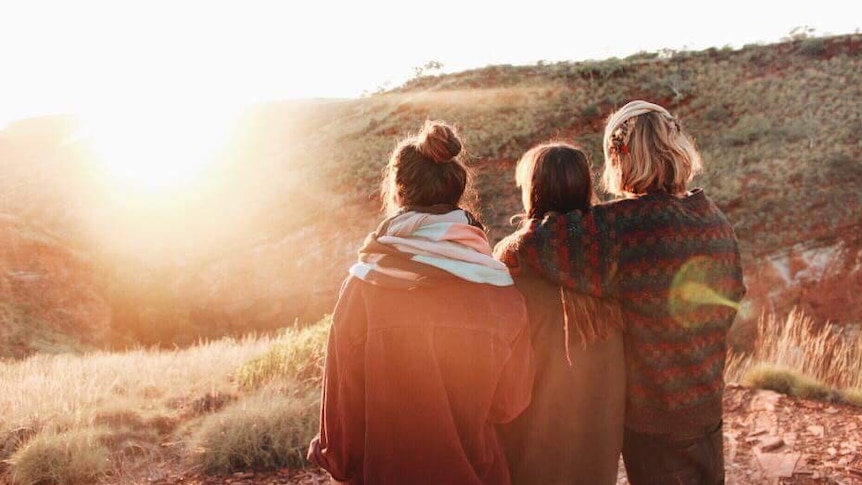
x,y
628,301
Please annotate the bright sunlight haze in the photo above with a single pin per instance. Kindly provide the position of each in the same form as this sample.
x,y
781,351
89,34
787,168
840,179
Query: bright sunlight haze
x,y
156,148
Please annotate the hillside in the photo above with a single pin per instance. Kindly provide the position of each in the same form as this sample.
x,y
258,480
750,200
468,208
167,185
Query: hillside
x,y
278,219
49,300
776,124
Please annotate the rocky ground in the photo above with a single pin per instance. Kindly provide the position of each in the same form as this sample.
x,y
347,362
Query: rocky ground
x,y
769,439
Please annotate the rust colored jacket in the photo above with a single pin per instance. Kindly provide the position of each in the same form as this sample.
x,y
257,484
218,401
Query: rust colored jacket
x,y
416,380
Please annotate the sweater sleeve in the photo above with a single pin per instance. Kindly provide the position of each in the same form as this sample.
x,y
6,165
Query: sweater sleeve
x,y
339,446
576,250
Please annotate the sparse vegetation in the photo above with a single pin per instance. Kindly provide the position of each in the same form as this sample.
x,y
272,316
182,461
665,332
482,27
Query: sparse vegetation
x,y
796,356
852,396
590,111
74,457
813,47
296,356
74,419
265,431
748,129
787,381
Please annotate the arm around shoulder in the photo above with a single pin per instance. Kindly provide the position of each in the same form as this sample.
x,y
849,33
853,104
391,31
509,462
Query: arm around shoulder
x,y
576,250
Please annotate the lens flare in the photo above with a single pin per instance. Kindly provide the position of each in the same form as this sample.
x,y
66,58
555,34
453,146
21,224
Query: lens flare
x,y
692,292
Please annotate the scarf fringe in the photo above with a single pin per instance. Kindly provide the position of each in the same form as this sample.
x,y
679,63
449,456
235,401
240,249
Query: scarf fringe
x,y
593,319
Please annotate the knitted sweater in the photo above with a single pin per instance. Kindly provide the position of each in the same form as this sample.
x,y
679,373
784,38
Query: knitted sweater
x,y
674,265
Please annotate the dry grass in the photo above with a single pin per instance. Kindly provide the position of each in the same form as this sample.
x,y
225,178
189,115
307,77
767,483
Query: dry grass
x,y
298,355
266,431
71,458
272,427
852,396
114,417
82,418
62,391
798,357
788,381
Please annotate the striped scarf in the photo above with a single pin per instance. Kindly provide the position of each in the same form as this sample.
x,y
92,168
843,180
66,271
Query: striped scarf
x,y
414,249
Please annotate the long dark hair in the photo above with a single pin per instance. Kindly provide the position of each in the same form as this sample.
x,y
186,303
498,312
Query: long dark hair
x,y
554,177
425,170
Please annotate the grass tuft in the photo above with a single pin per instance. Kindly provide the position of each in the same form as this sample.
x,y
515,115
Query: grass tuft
x,y
852,396
296,357
70,458
13,439
790,382
266,431
795,356
77,418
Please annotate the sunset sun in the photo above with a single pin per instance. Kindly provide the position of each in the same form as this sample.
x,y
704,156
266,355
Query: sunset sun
x,y
155,149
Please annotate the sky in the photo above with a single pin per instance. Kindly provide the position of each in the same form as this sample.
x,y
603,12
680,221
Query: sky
x,y
86,56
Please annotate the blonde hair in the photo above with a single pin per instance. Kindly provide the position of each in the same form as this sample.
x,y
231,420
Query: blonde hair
x,y
646,150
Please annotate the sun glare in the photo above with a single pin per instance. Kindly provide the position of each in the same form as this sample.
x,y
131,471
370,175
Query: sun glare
x,y
156,149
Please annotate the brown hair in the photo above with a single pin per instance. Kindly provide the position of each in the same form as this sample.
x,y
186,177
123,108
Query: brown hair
x,y
424,170
554,177
646,150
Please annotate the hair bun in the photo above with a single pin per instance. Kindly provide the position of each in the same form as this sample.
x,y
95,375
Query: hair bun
x,y
438,141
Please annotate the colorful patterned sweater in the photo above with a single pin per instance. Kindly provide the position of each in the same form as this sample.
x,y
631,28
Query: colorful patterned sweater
x,y
674,265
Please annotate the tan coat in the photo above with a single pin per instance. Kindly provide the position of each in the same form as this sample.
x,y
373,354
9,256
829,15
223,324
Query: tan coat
x,y
572,432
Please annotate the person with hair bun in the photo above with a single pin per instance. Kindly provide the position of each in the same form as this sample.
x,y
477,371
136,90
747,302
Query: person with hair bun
x,y
669,256
429,347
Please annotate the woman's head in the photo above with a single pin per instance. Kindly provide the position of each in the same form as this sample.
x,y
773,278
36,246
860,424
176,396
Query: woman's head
x,y
646,151
554,177
424,170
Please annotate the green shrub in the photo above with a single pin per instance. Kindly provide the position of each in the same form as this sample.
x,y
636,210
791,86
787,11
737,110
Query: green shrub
x,y
297,356
748,129
718,113
813,46
842,166
265,431
70,458
604,69
590,111
641,55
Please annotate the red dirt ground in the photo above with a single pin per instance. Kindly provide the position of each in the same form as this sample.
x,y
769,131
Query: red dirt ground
x,y
769,438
